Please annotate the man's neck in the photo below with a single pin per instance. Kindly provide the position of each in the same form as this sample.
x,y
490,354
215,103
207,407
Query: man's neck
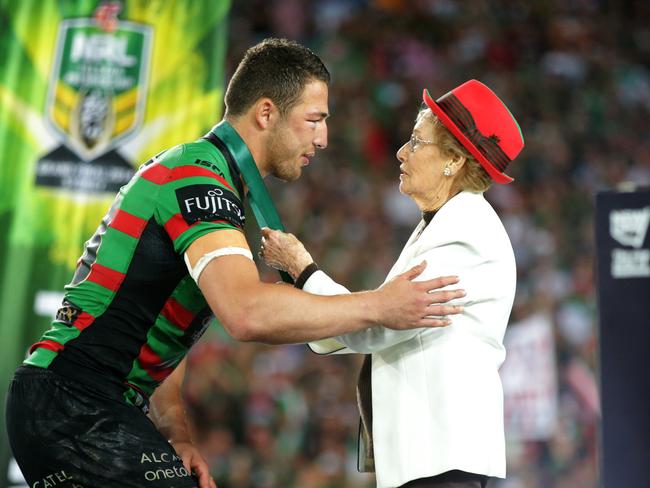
x,y
253,137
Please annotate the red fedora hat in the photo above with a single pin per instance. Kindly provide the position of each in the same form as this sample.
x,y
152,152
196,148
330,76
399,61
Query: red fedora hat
x,y
482,123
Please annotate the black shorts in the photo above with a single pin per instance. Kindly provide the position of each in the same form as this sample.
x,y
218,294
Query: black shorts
x,y
65,434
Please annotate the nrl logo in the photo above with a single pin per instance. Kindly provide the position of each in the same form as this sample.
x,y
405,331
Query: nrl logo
x,y
98,82
629,226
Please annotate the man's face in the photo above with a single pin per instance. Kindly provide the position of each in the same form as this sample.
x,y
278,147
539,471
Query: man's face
x,y
295,138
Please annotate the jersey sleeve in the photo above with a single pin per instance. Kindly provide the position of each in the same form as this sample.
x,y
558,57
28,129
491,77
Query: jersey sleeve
x,y
195,200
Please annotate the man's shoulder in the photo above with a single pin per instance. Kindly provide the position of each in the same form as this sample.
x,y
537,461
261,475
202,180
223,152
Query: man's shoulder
x,y
199,154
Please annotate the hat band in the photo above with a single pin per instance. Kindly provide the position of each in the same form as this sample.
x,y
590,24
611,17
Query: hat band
x,y
460,116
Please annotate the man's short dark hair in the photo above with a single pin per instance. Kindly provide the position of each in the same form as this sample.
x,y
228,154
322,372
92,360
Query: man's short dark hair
x,y
275,68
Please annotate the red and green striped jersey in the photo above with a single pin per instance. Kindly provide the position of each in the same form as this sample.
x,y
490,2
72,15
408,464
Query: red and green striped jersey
x,y
132,311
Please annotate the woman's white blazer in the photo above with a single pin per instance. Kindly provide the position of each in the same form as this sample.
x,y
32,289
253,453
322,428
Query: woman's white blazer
x,y
436,393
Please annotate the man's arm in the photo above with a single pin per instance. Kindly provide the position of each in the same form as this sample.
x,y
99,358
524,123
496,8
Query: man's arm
x,y
168,414
251,310
284,251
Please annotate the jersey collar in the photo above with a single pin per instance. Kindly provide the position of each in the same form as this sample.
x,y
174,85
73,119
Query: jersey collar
x,y
237,147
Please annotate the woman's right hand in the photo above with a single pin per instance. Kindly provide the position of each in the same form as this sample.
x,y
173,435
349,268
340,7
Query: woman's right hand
x,y
284,251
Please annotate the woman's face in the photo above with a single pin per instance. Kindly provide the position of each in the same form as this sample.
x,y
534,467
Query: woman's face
x,y
422,165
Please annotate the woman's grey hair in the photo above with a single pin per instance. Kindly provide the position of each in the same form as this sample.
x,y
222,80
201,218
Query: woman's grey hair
x,y
472,176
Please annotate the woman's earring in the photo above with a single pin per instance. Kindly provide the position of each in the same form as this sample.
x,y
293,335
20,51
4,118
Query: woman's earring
x,y
447,171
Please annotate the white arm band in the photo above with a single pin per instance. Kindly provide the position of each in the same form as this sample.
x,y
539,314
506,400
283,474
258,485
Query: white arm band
x,y
207,257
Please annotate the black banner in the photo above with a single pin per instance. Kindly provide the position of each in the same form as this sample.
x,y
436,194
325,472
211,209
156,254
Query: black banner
x,y
623,254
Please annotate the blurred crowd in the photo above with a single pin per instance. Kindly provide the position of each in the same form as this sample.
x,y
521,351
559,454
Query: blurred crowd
x,y
574,73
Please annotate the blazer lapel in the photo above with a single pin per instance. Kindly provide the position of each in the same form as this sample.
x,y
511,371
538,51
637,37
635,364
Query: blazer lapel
x,y
407,252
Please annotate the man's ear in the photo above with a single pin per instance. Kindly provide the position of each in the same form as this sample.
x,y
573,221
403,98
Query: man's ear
x,y
266,113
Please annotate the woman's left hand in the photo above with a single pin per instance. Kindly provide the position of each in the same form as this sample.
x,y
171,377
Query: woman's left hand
x,y
284,251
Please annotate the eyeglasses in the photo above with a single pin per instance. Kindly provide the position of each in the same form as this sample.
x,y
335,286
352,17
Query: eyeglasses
x,y
415,141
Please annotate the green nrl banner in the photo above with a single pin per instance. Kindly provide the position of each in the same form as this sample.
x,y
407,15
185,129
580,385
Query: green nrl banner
x,y
88,91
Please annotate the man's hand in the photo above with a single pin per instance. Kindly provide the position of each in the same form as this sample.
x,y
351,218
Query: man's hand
x,y
168,415
284,252
194,462
408,304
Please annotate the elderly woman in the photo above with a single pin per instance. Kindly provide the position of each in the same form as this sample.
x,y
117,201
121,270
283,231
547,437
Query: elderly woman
x,y
435,404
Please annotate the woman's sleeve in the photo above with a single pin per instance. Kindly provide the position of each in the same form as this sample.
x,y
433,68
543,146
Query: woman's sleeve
x,y
374,339
321,284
